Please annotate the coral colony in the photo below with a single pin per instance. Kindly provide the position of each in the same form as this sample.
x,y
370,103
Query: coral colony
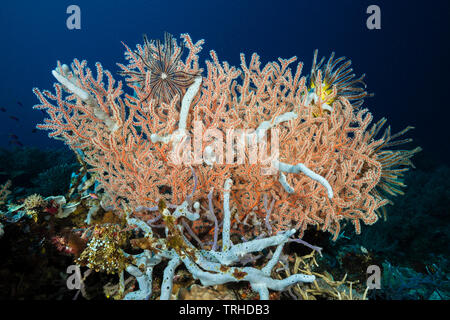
x,y
212,169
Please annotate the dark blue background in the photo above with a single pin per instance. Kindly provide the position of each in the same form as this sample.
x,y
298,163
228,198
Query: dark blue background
x,y
406,62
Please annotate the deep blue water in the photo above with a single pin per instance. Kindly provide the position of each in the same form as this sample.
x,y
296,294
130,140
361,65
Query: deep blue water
x,y
406,62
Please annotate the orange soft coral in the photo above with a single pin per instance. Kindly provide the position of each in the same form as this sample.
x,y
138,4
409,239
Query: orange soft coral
x,y
129,142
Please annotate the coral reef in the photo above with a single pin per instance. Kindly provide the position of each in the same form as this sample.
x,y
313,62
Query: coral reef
x,y
327,165
203,174
33,170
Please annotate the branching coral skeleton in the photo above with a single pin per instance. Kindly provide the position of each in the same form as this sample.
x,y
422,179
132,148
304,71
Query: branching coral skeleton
x,y
209,266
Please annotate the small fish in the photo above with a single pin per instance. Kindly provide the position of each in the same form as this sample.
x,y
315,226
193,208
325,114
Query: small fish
x,y
93,196
20,103
14,118
16,142
34,130
2,109
13,136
